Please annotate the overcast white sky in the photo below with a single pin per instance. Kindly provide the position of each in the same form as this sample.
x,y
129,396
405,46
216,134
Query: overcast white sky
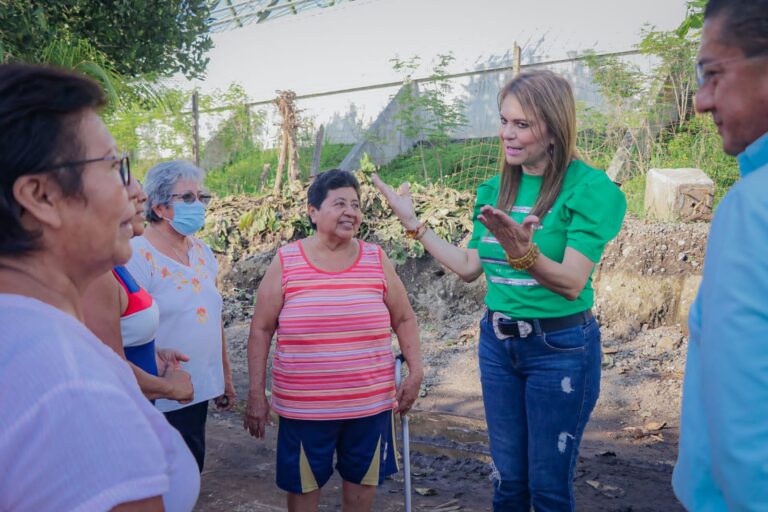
x,y
351,44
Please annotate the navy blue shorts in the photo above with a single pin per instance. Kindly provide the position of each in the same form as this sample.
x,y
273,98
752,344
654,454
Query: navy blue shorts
x,y
364,447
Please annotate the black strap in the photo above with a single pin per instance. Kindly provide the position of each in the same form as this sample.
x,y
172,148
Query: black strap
x,y
564,322
510,326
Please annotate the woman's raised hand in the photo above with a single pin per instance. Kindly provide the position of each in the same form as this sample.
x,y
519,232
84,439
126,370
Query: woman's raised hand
x,y
514,237
400,201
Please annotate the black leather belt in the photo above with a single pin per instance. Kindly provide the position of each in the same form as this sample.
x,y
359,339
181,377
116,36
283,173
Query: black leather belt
x,y
506,327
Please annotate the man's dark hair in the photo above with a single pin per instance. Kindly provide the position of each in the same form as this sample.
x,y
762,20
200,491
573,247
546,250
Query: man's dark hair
x,y
40,111
330,180
745,24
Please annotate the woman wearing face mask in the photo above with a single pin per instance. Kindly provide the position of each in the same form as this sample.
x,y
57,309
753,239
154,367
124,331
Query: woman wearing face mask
x,y
179,272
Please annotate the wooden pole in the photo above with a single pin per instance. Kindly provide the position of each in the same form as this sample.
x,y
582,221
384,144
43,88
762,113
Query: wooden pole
x,y
516,59
319,139
294,173
264,175
281,163
195,129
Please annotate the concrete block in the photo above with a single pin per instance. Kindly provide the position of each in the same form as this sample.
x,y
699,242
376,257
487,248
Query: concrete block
x,y
679,195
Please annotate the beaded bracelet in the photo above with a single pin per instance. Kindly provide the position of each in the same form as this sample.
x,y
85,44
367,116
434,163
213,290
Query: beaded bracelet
x,y
525,261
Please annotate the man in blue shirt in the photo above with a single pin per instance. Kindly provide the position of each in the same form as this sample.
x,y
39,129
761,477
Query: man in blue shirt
x,y
723,454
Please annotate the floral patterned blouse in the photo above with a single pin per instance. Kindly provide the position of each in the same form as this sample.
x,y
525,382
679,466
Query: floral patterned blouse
x,y
190,312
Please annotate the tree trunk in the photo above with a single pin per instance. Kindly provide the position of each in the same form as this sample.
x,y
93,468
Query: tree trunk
x,y
281,164
294,173
264,175
319,138
423,162
285,105
436,152
195,129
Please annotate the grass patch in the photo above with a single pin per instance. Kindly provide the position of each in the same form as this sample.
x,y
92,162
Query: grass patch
x,y
466,164
242,174
634,191
697,145
442,164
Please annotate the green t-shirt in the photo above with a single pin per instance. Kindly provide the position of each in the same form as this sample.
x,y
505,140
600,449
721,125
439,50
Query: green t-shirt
x,y
586,215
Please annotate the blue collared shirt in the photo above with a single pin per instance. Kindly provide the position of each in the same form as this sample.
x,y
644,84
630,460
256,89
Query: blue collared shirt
x,y
723,454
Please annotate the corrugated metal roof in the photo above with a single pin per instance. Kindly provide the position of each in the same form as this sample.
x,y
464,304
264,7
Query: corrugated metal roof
x,y
232,14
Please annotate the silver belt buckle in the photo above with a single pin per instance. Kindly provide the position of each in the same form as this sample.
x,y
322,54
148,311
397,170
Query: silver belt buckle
x,y
495,322
523,327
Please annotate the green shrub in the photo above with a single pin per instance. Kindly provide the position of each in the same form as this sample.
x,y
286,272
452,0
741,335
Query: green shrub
x,y
634,190
697,144
243,224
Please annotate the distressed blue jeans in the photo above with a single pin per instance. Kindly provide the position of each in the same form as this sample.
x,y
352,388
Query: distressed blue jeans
x,y
538,393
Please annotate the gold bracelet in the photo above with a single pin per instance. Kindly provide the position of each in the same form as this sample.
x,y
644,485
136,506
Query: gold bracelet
x,y
525,261
416,234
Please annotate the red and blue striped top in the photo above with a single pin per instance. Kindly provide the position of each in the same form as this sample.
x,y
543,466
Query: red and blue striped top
x,y
334,344
139,322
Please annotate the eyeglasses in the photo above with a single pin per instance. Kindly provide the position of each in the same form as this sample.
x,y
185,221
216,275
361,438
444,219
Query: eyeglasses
x,y
191,197
704,74
125,165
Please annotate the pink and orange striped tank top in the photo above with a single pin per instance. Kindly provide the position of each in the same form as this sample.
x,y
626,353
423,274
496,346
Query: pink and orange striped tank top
x,y
333,358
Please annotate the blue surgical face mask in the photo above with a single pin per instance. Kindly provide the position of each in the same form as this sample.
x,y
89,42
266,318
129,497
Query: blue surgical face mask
x,y
188,218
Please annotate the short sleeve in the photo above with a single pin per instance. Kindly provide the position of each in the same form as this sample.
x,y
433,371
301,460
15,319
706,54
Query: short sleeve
x,y
141,264
89,427
210,257
487,194
733,348
597,209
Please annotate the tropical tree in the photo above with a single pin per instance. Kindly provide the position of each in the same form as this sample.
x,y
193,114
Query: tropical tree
x,y
427,113
135,37
694,18
675,56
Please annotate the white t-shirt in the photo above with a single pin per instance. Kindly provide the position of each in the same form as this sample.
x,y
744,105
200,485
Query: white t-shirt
x,y
76,433
190,312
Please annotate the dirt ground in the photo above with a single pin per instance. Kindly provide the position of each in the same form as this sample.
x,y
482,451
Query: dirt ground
x,y
630,444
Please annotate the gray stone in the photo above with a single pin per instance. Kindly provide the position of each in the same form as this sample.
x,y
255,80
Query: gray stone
x,y
667,344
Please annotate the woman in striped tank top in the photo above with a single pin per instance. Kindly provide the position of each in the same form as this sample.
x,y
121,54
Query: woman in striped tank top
x,y
333,301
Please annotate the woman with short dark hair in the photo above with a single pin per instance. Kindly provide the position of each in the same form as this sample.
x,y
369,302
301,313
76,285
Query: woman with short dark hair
x,y
77,434
333,301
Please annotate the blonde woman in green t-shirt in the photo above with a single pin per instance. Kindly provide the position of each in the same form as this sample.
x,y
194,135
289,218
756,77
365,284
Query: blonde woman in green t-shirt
x,y
540,227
